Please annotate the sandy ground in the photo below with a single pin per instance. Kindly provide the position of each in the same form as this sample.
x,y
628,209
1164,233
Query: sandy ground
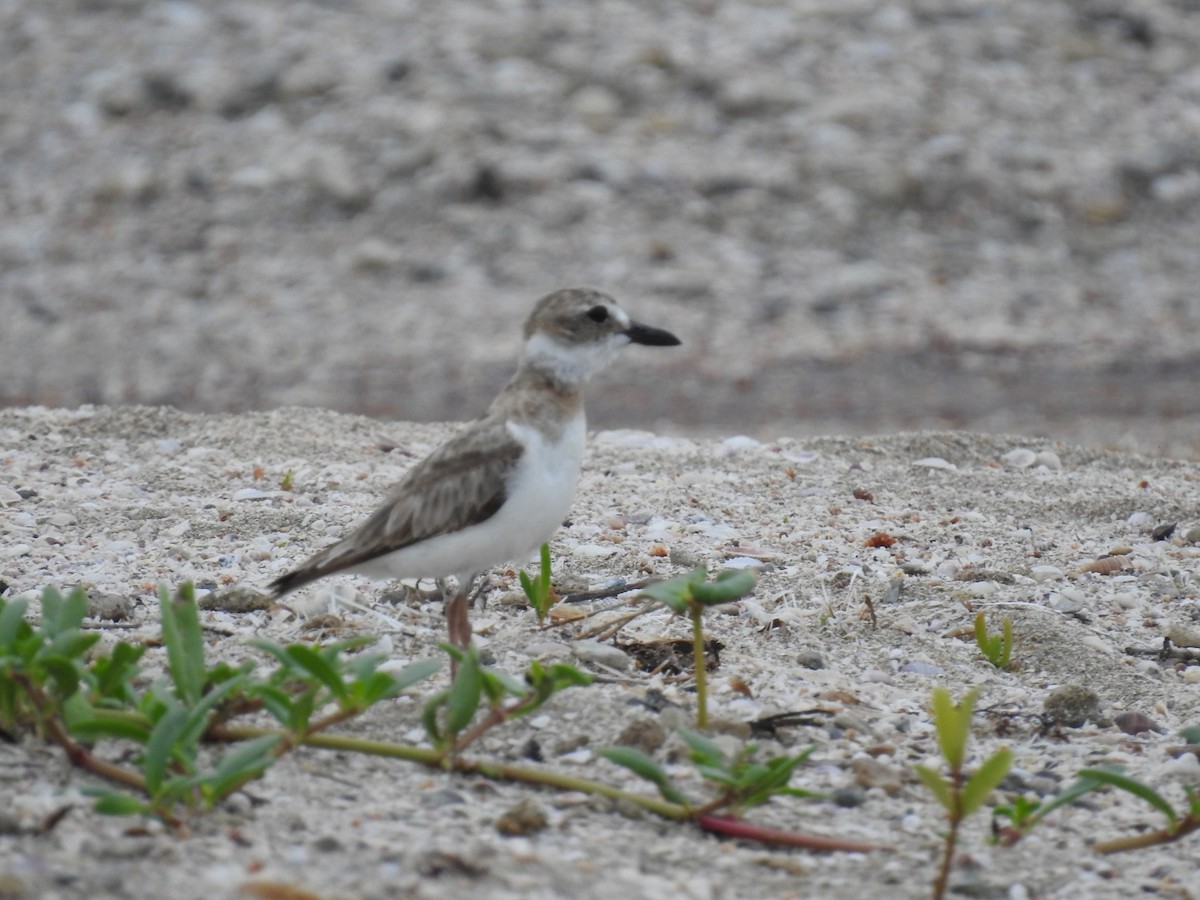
x,y
119,499
860,216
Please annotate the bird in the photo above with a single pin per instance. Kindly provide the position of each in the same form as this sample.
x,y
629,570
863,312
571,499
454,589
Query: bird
x,y
497,490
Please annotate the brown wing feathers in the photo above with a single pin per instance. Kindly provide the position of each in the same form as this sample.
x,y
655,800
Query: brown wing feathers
x,y
461,484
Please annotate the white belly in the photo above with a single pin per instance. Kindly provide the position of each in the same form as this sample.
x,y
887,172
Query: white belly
x,y
539,498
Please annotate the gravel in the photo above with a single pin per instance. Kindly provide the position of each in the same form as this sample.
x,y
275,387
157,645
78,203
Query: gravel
x,y
844,630
860,216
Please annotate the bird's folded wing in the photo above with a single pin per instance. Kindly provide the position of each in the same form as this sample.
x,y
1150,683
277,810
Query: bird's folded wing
x,y
460,484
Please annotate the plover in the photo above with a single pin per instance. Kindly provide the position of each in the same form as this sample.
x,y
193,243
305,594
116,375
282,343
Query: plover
x,y
498,489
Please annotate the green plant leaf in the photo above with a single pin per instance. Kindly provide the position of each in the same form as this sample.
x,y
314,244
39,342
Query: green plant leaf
x,y
1191,734
497,683
564,675
300,710
184,638
114,803
429,717
676,593
197,715
953,724
640,764
704,751
63,613
161,746
64,673
114,674
1077,789
308,660
1138,789
275,700
984,781
12,618
465,692
70,644
120,729
728,586
938,785
247,759
415,672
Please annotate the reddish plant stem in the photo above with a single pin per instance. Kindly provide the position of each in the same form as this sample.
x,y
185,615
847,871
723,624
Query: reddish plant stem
x,y
736,828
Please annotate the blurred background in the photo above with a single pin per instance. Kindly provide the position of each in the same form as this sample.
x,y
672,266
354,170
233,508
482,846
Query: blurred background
x,y
859,216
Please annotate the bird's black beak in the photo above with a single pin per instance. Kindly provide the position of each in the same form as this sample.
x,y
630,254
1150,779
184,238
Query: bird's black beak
x,y
651,337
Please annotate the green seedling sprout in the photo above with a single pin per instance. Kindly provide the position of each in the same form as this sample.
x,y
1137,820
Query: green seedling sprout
x,y
961,794
690,595
997,648
541,595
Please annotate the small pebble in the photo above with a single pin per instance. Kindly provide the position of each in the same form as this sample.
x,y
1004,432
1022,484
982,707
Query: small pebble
x,y
327,844
1184,768
1021,458
935,462
442,797
602,654
255,494
870,772
1048,459
114,607
643,734
810,658
236,600
1136,723
1072,705
527,817
1046,573
928,670
847,797
876,676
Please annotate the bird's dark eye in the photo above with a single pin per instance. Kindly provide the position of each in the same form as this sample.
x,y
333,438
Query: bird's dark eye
x,y
598,314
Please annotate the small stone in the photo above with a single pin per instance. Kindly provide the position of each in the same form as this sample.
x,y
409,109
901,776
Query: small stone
x,y
1184,769
375,255
599,107
254,494
1021,458
1048,459
810,658
643,734
935,462
327,844
1192,536
1183,635
527,817
443,797
1072,705
683,558
1163,532
236,600
848,797
114,607
1046,573
602,654
928,670
737,444
870,772
1136,723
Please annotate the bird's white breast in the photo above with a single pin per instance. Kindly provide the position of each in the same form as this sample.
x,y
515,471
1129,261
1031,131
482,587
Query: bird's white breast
x,y
543,483
540,490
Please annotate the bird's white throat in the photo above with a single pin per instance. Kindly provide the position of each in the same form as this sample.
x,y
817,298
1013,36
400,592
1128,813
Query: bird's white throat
x,y
571,364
